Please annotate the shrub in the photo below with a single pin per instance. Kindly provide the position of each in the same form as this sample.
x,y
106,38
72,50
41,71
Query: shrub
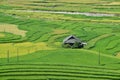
x,y
66,45
75,45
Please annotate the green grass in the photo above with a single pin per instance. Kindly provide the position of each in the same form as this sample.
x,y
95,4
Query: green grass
x,y
67,64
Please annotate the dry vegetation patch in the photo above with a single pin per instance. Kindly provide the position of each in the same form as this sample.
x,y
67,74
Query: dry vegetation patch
x,y
118,55
80,1
2,35
22,48
12,29
114,3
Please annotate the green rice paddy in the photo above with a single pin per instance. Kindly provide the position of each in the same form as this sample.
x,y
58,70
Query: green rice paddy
x,y
39,55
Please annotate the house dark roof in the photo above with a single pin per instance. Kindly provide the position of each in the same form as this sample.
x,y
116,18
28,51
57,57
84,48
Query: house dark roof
x,y
71,39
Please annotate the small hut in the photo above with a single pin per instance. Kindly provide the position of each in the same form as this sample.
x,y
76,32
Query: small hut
x,y
72,42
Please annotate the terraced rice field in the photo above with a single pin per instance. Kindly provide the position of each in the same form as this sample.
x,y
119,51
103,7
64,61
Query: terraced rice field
x,y
57,72
32,31
106,6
